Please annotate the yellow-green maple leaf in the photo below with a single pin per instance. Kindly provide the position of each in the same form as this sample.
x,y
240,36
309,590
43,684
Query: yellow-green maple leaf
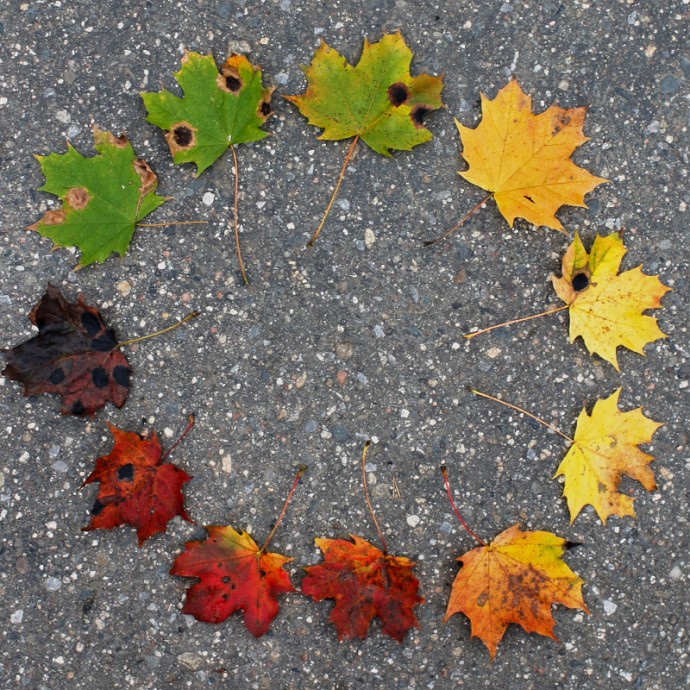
x,y
605,448
606,308
377,100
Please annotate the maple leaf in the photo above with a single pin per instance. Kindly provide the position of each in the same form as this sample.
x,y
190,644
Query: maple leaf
x,y
365,582
103,197
605,448
218,109
377,100
515,579
135,487
605,308
235,575
524,159
74,354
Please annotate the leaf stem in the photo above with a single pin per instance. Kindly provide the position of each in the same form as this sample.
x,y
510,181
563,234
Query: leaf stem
x,y
448,233
171,222
236,216
302,470
455,509
555,310
190,423
519,409
335,192
189,317
366,496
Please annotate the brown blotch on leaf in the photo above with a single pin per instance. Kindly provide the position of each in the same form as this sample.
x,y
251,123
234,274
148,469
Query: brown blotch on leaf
x,y
49,218
148,178
560,121
77,198
417,115
180,137
229,78
398,93
120,142
264,109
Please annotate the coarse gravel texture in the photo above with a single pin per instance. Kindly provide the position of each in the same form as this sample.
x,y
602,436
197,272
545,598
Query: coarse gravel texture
x,y
359,337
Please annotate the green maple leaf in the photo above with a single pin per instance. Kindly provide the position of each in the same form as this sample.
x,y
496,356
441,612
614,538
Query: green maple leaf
x,y
377,100
103,197
218,109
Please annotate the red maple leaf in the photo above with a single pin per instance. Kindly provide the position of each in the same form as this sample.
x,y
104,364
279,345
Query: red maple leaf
x,y
74,354
365,582
235,575
136,489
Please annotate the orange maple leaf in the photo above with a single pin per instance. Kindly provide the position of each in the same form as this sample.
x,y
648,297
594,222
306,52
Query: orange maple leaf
x,y
365,582
515,579
524,159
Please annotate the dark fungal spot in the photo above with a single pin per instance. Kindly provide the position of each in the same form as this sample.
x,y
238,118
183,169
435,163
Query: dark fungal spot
x,y
265,109
418,113
126,472
78,408
97,508
91,323
121,375
182,136
99,376
104,343
233,83
57,376
580,282
225,579
398,93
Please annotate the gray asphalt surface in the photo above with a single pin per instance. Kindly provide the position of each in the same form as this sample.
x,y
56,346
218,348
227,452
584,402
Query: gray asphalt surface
x,y
347,341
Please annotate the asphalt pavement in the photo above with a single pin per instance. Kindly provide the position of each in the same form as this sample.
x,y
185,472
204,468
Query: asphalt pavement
x,y
358,338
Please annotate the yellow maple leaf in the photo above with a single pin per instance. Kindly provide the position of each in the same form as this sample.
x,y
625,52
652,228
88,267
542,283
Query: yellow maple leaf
x,y
605,448
606,308
515,579
524,159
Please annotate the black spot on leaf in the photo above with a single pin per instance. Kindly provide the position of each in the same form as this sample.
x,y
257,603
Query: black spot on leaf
x,y
182,136
398,93
418,113
99,376
233,83
126,472
225,579
91,323
57,376
121,375
78,408
265,109
105,342
580,282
